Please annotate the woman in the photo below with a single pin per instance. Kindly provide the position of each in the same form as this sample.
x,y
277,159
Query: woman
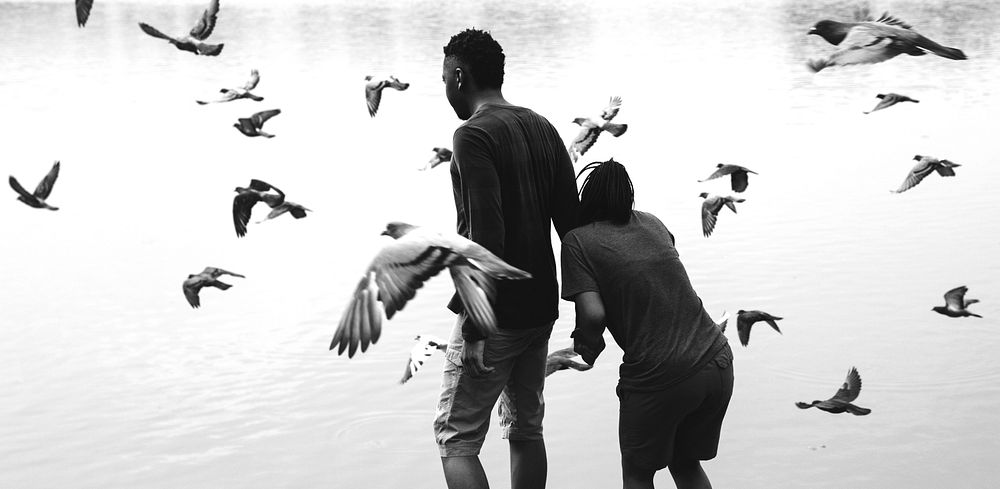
x,y
621,269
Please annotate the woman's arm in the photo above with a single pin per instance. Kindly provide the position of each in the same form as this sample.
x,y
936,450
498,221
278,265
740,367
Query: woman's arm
x,y
589,333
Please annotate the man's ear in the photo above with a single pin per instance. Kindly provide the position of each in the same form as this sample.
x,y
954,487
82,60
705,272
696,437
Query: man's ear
x,y
459,77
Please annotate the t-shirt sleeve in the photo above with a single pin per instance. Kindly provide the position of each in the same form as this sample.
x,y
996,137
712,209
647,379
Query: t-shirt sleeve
x,y
577,274
565,199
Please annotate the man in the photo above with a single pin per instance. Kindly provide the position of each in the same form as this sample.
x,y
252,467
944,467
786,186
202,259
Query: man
x,y
511,176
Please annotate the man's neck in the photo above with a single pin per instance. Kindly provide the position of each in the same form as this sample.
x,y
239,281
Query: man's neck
x,y
488,97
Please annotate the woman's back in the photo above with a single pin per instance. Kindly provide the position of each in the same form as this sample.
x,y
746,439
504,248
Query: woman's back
x,y
651,309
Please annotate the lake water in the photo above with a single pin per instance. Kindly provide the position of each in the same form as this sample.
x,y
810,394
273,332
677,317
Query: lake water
x,y
108,379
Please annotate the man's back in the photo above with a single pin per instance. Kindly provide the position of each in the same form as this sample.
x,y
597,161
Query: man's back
x,y
511,175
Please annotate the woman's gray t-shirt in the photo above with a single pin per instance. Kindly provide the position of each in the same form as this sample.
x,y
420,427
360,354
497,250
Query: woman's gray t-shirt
x,y
651,309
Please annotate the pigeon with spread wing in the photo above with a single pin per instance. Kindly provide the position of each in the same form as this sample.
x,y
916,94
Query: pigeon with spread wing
x,y
194,41
37,198
841,401
230,94
209,277
591,128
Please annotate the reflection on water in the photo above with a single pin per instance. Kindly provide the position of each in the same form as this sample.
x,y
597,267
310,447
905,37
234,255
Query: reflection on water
x,y
110,380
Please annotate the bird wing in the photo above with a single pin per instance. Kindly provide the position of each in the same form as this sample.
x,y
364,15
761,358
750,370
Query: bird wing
x,y
479,257
585,139
955,298
475,289
373,94
261,117
402,267
917,173
19,189
227,96
885,102
851,388
254,80
361,323
44,187
206,23
740,181
218,272
242,206
612,109
722,171
83,11
743,324
148,29
863,45
418,355
708,217
945,168
191,287
261,185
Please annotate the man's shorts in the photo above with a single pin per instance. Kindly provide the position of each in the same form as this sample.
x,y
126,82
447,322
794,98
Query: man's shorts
x,y
681,422
463,412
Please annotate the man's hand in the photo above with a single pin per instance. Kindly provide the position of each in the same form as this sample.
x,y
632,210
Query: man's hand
x,y
588,350
472,358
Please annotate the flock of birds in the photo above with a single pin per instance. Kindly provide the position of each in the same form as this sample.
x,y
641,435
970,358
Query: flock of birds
x,y
416,254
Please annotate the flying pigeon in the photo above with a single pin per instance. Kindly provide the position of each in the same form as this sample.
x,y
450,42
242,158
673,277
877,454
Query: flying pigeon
x,y
925,166
403,265
841,401
441,155
425,347
890,99
251,126
737,173
955,303
207,278
874,41
230,94
246,198
710,210
373,90
193,41
42,191
746,319
590,128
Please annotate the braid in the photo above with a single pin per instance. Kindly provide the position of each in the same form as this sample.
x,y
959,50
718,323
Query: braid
x,y
606,194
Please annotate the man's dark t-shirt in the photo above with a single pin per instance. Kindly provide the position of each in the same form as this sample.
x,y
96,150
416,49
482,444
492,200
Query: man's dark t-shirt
x,y
511,176
651,309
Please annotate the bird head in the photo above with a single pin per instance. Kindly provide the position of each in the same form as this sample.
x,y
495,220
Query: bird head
x,y
368,78
741,311
834,32
397,229
918,157
579,121
239,189
881,95
720,165
703,195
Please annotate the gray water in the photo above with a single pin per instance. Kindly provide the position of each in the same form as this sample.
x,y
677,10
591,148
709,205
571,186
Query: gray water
x,y
108,379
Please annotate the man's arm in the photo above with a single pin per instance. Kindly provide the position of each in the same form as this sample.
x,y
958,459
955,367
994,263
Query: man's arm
x,y
565,198
481,198
588,337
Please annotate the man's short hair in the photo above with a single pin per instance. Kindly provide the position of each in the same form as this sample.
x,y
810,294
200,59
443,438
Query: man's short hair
x,y
481,54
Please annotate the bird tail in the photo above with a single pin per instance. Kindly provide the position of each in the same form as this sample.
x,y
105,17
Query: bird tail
x,y
816,65
858,411
210,49
220,285
615,129
969,302
943,51
201,102
975,315
255,98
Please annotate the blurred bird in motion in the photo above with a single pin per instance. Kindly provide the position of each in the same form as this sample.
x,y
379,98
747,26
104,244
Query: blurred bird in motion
x,y
207,278
874,41
374,87
251,126
956,304
192,42
425,347
402,266
591,128
230,94
890,99
746,319
42,191
841,401
925,166
441,155
710,210
738,175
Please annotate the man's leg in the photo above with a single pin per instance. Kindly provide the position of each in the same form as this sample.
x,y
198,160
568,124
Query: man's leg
x,y
634,477
464,472
689,475
528,465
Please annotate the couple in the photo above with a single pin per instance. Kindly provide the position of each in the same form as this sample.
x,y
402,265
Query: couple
x,y
511,176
